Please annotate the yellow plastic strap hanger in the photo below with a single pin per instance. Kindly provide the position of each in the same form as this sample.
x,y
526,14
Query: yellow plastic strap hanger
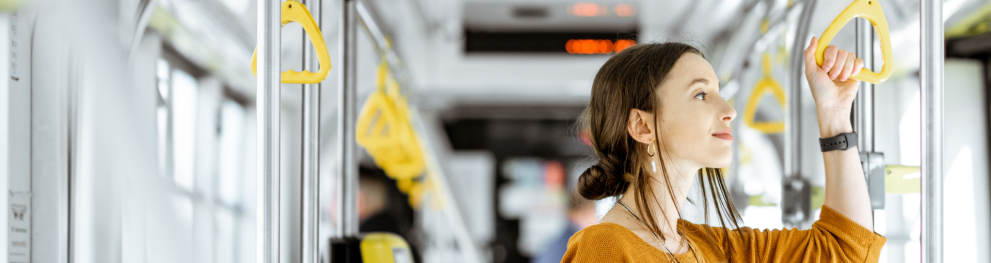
x,y
765,84
870,10
293,11
384,130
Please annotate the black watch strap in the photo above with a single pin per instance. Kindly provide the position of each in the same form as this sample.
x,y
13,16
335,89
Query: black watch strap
x,y
841,142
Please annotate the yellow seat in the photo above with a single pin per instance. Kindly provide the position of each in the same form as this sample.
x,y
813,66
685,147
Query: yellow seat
x,y
764,85
384,247
870,10
896,183
293,11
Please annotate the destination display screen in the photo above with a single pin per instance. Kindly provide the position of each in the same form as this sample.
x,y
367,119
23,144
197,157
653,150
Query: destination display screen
x,y
579,43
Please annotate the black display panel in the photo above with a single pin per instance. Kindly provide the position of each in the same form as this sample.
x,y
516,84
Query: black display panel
x,y
548,42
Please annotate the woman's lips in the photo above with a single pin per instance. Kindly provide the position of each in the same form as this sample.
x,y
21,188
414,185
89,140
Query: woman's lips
x,y
726,134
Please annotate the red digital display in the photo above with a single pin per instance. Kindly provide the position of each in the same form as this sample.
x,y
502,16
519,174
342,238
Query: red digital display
x,y
597,46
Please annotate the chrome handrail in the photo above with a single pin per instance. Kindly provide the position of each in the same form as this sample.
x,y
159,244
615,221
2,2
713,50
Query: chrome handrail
x,y
931,75
268,105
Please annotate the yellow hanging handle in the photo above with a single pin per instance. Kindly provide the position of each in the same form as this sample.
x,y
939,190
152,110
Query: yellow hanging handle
x,y
764,85
870,10
293,11
385,131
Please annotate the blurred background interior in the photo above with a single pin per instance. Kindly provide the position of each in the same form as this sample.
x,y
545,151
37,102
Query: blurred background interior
x,y
128,127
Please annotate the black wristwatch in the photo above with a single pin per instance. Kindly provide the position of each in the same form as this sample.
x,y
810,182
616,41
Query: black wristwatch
x,y
841,142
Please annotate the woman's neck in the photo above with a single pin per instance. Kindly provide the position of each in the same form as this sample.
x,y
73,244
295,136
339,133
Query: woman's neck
x,y
681,175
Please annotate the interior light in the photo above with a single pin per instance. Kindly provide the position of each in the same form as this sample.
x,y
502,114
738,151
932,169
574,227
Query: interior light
x,y
625,10
587,9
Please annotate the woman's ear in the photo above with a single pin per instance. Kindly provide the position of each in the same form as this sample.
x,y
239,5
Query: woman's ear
x,y
640,126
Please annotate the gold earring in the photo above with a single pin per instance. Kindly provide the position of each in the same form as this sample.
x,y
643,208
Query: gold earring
x,y
649,147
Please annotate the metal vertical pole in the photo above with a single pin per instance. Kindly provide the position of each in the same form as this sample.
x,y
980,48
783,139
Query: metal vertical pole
x,y
793,164
795,189
864,105
348,216
931,73
267,106
311,150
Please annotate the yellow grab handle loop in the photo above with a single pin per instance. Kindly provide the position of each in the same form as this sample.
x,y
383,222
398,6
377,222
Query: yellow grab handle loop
x,y
766,65
386,134
293,11
764,85
385,131
381,75
405,185
870,10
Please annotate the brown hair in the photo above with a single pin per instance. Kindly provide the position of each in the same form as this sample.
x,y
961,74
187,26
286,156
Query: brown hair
x,y
630,80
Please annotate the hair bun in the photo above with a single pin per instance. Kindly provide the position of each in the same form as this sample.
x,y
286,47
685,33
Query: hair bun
x,y
601,180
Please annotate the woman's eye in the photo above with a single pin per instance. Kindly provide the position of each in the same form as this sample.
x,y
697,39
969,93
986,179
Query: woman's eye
x,y
701,96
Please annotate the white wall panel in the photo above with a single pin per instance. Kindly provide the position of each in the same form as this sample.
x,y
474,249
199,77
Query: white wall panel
x,y
966,206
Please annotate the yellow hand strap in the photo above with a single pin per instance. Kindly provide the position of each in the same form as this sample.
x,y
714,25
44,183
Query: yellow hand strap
x,y
385,131
764,85
293,11
381,75
870,10
386,134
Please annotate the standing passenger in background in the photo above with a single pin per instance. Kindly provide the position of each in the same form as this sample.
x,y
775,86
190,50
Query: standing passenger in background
x,y
656,122
383,208
581,214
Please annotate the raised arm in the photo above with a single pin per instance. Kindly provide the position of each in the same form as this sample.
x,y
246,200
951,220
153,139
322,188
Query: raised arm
x,y
846,188
844,231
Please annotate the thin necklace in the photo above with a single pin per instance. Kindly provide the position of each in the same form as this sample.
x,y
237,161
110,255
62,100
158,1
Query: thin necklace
x,y
659,241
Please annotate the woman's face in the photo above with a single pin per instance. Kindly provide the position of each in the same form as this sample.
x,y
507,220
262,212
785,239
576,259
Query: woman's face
x,y
692,114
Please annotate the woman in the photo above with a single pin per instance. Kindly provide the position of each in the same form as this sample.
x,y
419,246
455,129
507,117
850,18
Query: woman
x,y
656,119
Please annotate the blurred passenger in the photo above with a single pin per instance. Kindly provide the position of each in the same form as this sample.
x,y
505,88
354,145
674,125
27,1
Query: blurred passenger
x,y
383,208
657,123
581,214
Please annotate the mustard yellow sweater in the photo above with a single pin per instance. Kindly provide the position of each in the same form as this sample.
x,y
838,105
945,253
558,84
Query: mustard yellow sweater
x,y
833,238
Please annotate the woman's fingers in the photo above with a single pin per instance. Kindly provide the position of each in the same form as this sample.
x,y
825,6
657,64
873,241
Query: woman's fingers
x,y
857,66
837,68
829,58
838,64
848,67
811,67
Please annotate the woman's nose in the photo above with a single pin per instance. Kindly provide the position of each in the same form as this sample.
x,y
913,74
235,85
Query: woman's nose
x,y
730,114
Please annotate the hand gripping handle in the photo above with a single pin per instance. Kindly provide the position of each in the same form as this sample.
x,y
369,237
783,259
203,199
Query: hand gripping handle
x,y
870,10
293,11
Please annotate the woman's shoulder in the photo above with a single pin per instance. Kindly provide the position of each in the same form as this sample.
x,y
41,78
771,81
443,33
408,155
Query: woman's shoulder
x,y
602,242
606,236
599,232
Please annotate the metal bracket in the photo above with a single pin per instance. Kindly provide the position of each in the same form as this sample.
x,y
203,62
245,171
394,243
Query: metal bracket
x,y
796,200
873,165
